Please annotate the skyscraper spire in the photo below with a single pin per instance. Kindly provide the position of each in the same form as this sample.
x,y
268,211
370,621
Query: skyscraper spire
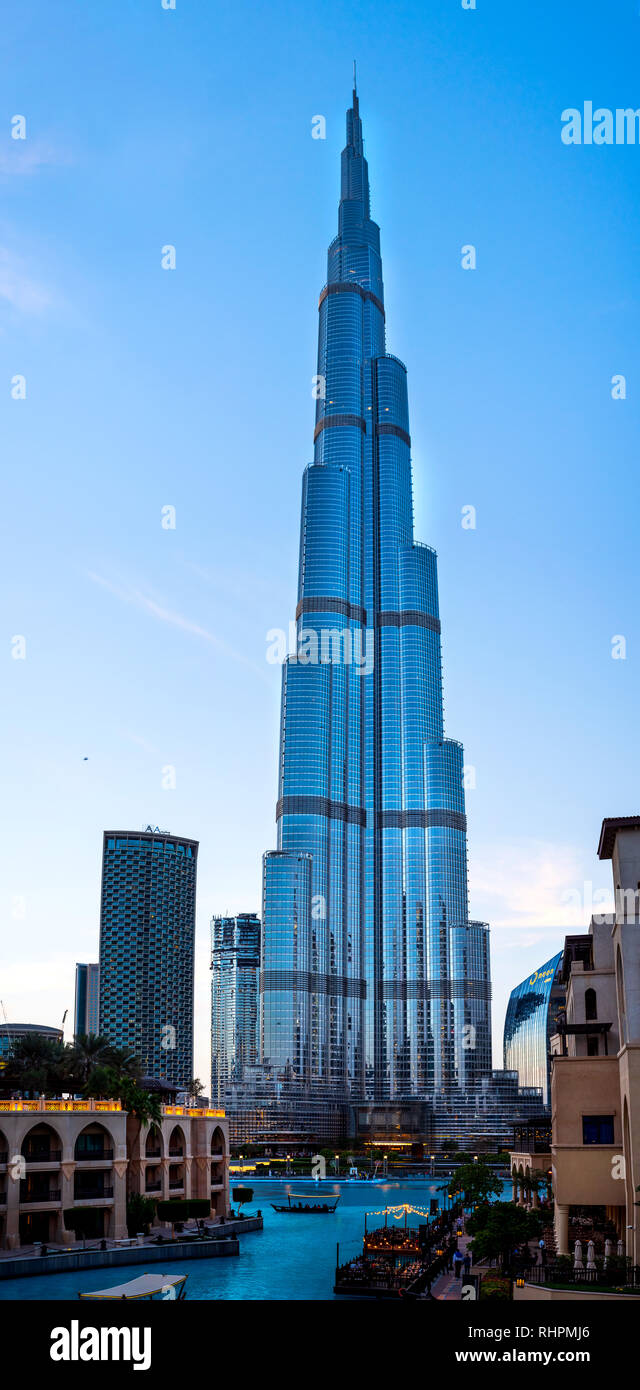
x,y
373,979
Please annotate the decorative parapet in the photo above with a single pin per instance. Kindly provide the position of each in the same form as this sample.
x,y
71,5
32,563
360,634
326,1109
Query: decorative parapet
x,y
193,1112
43,1106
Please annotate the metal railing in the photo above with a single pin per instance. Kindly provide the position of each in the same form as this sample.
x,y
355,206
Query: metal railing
x,y
92,1194
32,1197
43,1156
94,1156
619,1273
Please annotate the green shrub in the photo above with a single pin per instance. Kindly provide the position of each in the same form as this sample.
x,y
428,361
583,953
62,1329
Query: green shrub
x,y
140,1213
494,1287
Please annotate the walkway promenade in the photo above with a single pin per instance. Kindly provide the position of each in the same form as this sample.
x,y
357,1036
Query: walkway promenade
x,y
447,1286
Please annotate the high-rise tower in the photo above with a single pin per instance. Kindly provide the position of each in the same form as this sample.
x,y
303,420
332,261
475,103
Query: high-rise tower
x,y
235,961
374,983
147,943
87,999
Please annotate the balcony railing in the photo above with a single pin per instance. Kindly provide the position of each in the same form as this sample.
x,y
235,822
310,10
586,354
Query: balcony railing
x,y
43,1156
153,1153
531,1139
4,1158
153,1187
176,1153
94,1155
91,1194
619,1274
176,1182
53,1195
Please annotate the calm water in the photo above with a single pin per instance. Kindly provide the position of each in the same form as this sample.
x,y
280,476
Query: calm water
x,y
294,1257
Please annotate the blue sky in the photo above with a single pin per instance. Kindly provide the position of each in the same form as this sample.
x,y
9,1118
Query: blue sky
x,y
146,647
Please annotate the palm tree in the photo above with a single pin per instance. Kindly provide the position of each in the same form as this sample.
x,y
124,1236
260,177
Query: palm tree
x,y
125,1062
144,1106
37,1063
89,1052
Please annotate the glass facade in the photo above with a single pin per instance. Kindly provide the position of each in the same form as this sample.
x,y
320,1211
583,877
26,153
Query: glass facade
x,y
529,1022
10,1033
87,999
374,983
235,962
147,934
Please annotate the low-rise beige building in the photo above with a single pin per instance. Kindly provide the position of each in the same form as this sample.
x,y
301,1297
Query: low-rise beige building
x,y
57,1154
595,1083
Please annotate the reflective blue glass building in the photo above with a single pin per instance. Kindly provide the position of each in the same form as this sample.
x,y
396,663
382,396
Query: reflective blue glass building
x,y
529,1022
87,999
374,983
147,947
235,961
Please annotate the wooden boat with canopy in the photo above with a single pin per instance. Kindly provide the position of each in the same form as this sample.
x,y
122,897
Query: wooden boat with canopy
x,y
160,1286
307,1206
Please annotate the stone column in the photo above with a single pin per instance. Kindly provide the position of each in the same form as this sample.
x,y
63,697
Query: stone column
x,y
119,1174
199,1176
535,1200
561,1227
514,1189
15,1167
67,1171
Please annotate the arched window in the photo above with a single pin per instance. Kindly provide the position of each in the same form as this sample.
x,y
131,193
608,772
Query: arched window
x,y
590,1005
621,999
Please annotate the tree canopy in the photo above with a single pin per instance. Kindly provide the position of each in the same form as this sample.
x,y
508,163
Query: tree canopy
x,y
90,1065
476,1181
501,1227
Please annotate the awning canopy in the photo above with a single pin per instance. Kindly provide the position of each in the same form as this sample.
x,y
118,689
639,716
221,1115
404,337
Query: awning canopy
x,y
145,1286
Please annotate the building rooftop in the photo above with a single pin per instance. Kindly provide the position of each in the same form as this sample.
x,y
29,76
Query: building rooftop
x,y
29,1028
610,826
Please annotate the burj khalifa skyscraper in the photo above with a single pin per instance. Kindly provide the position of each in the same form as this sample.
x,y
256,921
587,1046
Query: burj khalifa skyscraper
x,y
374,984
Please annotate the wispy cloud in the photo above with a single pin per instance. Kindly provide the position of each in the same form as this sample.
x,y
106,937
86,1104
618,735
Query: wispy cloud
x,y
139,741
534,884
145,604
19,288
20,158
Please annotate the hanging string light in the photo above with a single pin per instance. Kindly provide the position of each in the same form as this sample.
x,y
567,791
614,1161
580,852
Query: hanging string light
x,y
398,1212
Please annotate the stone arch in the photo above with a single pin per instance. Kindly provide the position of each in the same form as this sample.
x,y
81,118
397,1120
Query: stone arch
x,y
42,1138
93,1141
217,1167
154,1142
622,1006
177,1146
218,1142
628,1176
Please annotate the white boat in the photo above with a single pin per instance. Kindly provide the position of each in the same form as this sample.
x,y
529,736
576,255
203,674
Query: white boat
x,y
169,1286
